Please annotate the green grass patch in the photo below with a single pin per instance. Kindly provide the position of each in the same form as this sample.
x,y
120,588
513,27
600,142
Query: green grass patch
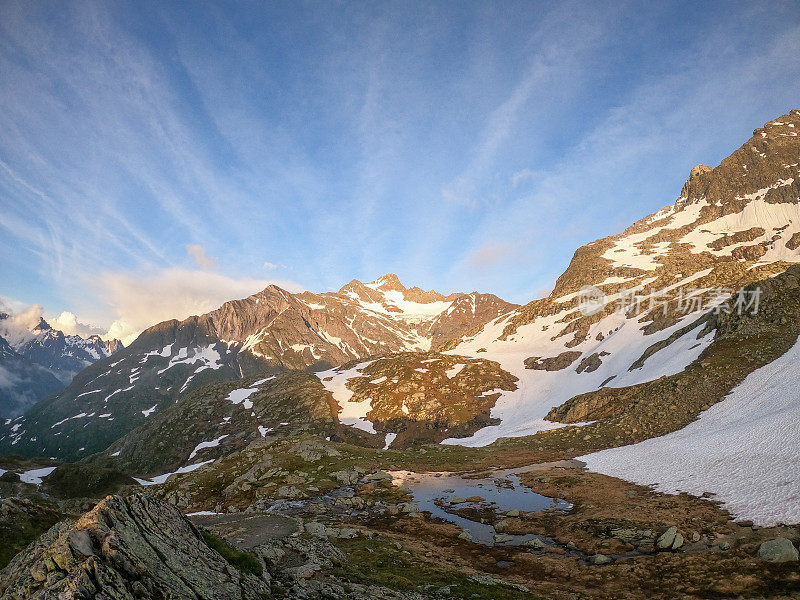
x,y
243,561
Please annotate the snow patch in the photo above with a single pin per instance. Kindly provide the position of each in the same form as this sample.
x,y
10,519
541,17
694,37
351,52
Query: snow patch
x,y
241,396
34,476
162,478
743,449
212,444
454,370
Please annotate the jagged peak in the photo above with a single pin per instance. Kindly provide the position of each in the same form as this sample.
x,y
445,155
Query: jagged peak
x,y
351,286
388,282
42,325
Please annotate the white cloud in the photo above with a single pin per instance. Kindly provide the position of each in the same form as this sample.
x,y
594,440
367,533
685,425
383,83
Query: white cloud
x,y
142,300
68,323
10,305
198,253
270,266
16,328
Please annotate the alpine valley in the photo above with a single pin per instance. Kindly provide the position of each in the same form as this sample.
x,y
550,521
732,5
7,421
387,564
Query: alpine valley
x,y
631,435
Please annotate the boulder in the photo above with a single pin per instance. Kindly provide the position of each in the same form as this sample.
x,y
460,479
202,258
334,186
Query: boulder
x,y
535,544
409,507
779,550
677,542
346,477
316,529
666,539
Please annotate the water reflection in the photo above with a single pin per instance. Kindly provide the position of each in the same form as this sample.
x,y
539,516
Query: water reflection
x,y
435,492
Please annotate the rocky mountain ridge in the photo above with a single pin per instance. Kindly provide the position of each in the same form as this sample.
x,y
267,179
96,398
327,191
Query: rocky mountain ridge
x,y
268,332
42,360
731,226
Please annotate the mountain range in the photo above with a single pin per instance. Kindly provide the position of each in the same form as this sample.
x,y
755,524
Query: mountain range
x,y
643,332
633,434
41,360
268,332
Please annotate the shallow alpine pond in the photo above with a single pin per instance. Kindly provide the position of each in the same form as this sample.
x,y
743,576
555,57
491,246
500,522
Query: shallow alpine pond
x,y
441,493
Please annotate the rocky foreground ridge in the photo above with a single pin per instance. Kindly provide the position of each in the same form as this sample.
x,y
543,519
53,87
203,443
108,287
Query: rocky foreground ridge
x,y
142,547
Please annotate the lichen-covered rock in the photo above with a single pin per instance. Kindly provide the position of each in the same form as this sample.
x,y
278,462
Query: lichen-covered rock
x,y
779,550
125,548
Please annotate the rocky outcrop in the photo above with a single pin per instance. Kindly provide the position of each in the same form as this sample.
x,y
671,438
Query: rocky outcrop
x,y
591,363
134,547
553,363
429,396
742,343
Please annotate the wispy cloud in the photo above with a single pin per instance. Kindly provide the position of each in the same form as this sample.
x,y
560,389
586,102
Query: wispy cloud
x,y
558,51
462,145
520,176
490,254
198,253
634,159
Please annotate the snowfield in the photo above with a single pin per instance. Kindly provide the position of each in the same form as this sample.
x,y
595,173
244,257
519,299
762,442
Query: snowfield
x,y
352,413
523,410
744,449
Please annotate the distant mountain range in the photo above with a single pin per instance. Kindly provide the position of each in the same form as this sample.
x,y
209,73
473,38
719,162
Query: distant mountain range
x,y
39,361
268,332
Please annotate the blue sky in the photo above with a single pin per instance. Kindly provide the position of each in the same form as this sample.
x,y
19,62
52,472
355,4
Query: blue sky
x,y
157,158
